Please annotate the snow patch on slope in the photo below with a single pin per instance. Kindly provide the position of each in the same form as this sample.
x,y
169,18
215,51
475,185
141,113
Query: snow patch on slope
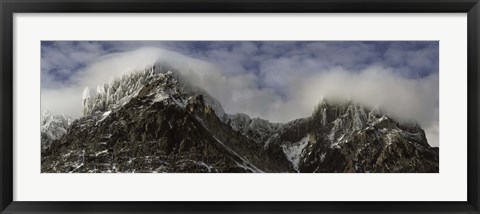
x,y
293,151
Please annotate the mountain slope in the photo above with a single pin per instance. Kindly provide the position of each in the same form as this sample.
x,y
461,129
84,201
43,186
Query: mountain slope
x,y
164,127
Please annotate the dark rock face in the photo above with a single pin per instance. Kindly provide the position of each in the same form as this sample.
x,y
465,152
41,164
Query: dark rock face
x,y
162,138
165,126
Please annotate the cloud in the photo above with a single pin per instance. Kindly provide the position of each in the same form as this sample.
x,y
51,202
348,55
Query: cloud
x,y
278,81
405,99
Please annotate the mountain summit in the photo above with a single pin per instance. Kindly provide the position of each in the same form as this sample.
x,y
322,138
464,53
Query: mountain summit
x,y
155,121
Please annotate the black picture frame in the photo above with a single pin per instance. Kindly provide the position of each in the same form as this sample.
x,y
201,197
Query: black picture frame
x,y
9,7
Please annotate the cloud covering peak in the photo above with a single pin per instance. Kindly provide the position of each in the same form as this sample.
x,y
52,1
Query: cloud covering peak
x,y
278,81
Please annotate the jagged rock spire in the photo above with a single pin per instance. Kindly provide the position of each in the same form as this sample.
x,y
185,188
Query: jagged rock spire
x,y
117,92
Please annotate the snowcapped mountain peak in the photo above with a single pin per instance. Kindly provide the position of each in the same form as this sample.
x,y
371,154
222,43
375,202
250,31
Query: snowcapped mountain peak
x,y
157,83
327,111
52,127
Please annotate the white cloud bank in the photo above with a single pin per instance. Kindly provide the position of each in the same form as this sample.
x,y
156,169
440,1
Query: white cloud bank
x,y
258,94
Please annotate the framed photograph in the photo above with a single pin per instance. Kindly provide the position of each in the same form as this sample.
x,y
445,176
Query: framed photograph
x,y
254,107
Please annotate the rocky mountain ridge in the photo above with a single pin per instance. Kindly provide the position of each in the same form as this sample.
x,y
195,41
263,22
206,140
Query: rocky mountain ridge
x,y
155,121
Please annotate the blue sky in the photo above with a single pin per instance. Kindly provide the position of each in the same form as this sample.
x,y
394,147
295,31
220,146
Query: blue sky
x,y
61,59
275,80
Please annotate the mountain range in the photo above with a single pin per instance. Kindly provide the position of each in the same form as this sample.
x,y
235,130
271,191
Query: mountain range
x,y
154,120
